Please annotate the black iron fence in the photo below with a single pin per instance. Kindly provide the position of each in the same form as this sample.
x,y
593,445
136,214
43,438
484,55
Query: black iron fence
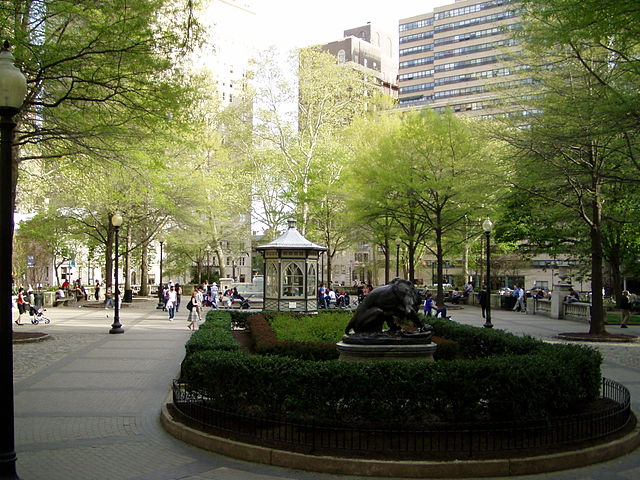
x,y
606,418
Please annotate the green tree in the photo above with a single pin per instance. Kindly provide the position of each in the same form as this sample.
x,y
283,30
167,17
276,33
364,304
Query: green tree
x,y
100,75
300,120
583,139
427,175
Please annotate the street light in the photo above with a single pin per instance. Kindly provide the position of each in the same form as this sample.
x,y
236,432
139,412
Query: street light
x,y
13,89
116,327
487,226
160,306
208,250
398,242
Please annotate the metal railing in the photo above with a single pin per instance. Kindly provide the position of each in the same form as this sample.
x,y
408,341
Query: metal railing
x,y
431,441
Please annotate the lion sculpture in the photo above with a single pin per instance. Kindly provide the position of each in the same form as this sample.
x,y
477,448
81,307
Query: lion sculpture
x,y
398,299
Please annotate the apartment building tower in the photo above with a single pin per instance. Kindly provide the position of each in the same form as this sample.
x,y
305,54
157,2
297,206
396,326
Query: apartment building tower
x,y
370,49
451,56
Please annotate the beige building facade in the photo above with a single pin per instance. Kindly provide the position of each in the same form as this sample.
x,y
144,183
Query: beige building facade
x,y
451,57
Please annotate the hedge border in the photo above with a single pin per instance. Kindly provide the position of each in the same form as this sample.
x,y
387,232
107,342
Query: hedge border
x,y
548,380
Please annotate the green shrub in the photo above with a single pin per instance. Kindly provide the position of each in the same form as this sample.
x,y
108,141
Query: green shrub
x,y
217,318
211,339
496,388
506,377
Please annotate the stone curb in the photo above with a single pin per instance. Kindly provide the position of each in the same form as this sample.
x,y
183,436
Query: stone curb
x,y
409,469
42,338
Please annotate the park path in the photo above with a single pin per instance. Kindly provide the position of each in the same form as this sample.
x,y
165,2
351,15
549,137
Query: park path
x,y
87,402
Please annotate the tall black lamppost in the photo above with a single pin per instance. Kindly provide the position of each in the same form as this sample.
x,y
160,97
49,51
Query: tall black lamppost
x,y
13,88
160,305
116,327
208,250
487,226
398,241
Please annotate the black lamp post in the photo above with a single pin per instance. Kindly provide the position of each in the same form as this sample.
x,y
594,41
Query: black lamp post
x,y
487,226
398,241
160,305
208,250
13,88
116,327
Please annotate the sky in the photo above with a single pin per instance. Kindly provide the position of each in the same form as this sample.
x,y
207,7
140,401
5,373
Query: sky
x,y
299,23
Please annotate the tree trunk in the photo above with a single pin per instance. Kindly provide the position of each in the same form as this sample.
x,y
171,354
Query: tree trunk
x,y
597,306
127,273
439,259
386,260
144,268
108,257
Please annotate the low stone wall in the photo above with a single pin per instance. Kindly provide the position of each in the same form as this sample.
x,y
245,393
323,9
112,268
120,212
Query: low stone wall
x,y
577,311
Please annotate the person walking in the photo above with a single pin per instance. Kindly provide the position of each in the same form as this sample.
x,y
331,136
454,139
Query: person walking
x,y
22,305
625,309
214,295
520,305
108,298
193,312
96,292
483,299
178,289
172,300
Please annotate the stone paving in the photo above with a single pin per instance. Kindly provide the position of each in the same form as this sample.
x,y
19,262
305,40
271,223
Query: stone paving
x,y
87,402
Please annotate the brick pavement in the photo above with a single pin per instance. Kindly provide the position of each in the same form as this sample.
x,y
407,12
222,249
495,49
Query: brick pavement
x,y
87,402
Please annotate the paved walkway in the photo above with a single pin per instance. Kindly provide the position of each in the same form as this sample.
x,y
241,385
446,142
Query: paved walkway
x,y
87,402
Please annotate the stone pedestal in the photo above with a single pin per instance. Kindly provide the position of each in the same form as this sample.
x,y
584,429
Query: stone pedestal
x,y
387,346
370,353
560,291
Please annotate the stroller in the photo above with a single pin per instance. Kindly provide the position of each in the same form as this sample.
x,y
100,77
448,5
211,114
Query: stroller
x,y
37,316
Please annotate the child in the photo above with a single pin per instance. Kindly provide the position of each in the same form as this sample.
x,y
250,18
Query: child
x,y
430,304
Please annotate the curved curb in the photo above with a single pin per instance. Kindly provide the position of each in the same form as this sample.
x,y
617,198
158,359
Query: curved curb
x,y
408,469
577,337
44,337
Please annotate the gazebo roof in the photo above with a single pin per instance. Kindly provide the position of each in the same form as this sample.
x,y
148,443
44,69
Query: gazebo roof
x,y
291,239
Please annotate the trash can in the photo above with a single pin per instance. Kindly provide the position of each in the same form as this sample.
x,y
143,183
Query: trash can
x,y
507,302
38,300
128,296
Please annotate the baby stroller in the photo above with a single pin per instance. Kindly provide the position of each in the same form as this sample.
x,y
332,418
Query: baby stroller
x,y
37,316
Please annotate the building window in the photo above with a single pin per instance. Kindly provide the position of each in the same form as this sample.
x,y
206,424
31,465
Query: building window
x,y
342,56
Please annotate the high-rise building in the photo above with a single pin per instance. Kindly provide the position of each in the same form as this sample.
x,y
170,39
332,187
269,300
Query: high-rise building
x,y
372,49
231,44
452,56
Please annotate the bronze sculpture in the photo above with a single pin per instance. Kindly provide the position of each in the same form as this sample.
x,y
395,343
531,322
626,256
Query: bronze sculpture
x,y
399,299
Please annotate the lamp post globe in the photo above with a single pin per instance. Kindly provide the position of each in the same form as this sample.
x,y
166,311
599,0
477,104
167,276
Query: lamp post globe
x,y
13,89
487,226
116,327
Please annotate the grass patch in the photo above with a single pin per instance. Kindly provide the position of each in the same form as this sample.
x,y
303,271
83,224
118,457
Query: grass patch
x,y
324,327
614,318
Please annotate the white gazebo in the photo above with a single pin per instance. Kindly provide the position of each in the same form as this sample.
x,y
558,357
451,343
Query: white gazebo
x,y
291,272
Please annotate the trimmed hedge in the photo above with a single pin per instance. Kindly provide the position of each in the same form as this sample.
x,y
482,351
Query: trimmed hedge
x,y
213,334
498,388
508,378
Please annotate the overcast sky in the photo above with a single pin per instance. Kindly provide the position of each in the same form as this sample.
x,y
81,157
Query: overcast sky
x,y
298,23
